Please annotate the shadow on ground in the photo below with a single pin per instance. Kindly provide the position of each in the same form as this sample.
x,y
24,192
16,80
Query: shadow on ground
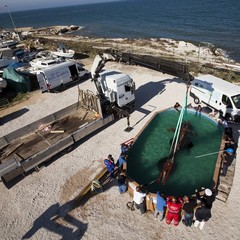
x,y
59,220
13,115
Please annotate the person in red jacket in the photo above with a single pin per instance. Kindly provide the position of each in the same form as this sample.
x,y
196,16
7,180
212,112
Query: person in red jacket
x,y
173,210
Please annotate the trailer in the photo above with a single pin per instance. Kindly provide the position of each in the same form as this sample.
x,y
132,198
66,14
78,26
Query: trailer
x,y
29,146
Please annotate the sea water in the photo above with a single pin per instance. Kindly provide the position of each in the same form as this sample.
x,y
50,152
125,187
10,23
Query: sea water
x,y
148,155
200,22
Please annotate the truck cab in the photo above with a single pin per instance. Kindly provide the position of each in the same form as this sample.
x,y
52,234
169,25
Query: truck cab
x,y
117,87
218,94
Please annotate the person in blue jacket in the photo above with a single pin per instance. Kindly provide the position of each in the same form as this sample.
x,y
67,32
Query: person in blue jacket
x,y
121,160
124,148
109,162
160,206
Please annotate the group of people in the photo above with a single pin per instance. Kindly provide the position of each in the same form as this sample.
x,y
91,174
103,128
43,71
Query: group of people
x,y
117,170
230,147
185,208
178,106
192,210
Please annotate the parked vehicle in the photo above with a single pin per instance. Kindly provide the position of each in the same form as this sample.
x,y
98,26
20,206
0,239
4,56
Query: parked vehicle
x,y
60,75
116,89
63,52
218,94
39,64
26,148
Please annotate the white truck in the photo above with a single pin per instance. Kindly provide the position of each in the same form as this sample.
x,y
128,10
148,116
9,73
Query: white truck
x,y
218,94
59,75
116,90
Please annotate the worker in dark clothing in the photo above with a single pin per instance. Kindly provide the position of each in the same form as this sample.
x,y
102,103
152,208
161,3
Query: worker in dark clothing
x,y
227,159
188,209
199,109
202,215
228,133
177,106
208,198
122,181
231,144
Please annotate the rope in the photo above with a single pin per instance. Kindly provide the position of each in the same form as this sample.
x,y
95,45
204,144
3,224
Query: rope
x,y
179,124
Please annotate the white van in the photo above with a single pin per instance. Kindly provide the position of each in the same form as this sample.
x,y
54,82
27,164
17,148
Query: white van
x,y
217,94
60,75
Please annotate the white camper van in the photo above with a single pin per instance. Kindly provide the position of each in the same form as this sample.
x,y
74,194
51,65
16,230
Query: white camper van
x,y
217,94
60,75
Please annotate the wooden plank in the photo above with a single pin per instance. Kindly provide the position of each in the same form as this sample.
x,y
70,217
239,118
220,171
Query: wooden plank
x,y
65,119
222,196
14,149
226,180
87,188
224,188
57,131
85,115
43,138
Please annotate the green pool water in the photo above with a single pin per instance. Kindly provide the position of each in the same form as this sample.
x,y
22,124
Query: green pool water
x,y
148,154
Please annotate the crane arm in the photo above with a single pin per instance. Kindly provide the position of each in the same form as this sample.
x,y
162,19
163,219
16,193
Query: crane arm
x,y
98,64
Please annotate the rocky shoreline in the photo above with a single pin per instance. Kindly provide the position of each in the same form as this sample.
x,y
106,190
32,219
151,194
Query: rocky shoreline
x,y
205,57
155,46
52,30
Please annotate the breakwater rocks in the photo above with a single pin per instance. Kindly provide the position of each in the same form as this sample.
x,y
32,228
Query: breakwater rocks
x,y
52,30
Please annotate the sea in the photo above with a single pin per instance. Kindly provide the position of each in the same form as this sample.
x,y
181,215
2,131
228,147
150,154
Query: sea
x,y
205,22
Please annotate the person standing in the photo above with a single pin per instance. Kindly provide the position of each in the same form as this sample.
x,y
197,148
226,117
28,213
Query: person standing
x,y
173,210
160,205
187,210
208,198
122,181
202,215
199,109
177,106
139,199
226,162
121,160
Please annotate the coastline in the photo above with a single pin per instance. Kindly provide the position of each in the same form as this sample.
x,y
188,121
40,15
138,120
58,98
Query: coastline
x,y
186,51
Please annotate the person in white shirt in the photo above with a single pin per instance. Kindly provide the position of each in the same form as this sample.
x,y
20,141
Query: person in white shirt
x,y
139,199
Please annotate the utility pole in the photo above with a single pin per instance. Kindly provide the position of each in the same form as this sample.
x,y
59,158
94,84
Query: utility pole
x,y
199,47
10,15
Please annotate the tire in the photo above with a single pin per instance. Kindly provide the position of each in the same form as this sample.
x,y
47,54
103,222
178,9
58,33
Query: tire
x,y
237,119
228,117
196,100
